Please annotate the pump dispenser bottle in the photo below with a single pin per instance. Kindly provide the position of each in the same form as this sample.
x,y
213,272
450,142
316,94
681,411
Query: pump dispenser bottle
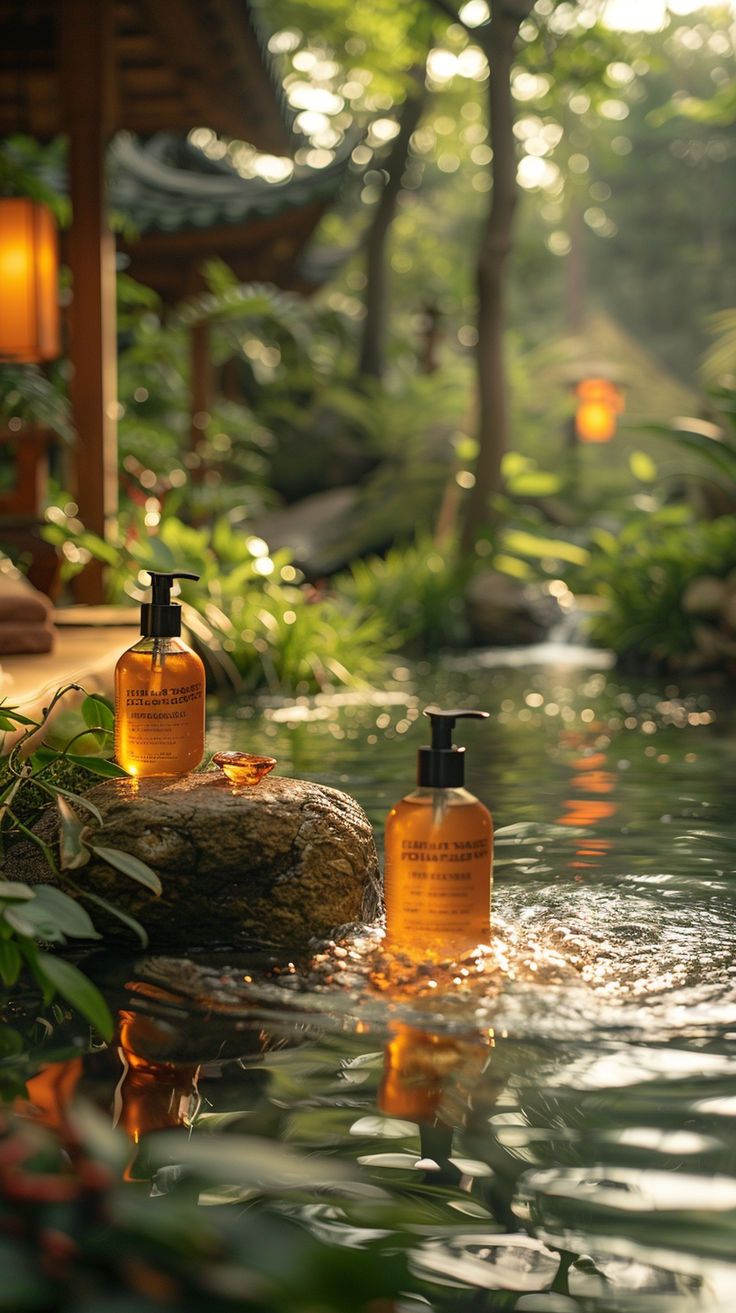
x,y
159,692
439,854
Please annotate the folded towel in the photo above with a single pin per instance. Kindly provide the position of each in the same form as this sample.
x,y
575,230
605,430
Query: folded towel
x,y
25,637
19,600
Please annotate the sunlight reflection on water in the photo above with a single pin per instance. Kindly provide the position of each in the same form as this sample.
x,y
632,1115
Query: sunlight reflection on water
x,y
560,1106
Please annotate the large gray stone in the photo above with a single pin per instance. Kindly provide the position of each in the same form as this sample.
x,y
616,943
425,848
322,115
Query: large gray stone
x,y
279,863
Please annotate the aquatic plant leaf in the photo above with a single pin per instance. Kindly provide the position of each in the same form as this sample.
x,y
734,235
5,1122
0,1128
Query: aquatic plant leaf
x,y
129,865
52,911
120,915
66,979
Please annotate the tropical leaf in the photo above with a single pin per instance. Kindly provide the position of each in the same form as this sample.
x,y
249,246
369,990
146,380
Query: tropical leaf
x,y
97,765
124,917
79,800
129,865
72,850
64,978
96,713
54,914
15,891
702,437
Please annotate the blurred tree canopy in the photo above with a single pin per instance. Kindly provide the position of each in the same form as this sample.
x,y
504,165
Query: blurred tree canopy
x,y
615,140
625,160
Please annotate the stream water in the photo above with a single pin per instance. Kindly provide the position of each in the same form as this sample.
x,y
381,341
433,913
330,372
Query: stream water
x,y
557,1113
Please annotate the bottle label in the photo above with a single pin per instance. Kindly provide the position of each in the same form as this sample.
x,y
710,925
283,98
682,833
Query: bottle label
x,y
159,716
439,889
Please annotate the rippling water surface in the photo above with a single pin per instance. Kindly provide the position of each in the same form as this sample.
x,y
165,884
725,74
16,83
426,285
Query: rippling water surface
x,y
558,1109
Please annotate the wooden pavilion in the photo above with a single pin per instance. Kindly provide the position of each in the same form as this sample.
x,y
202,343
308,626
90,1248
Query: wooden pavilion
x,y
187,209
88,68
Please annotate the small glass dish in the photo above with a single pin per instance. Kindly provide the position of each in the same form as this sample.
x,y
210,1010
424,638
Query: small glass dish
x,y
243,767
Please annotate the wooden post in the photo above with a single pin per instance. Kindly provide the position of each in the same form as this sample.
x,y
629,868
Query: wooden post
x,y
87,80
200,389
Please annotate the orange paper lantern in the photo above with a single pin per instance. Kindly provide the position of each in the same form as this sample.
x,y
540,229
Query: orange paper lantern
x,y
599,405
29,281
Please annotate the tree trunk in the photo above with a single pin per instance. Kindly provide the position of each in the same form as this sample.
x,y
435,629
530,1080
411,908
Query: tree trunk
x,y
372,351
493,421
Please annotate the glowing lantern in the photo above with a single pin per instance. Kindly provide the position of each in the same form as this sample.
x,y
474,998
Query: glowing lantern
x,y
599,405
29,281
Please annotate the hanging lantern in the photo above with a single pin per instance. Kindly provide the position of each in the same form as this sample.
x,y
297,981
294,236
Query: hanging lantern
x,y
29,281
599,405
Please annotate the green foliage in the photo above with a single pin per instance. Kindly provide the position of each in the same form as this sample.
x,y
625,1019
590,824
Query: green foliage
x,y
27,394
110,1245
416,589
250,616
32,168
36,775
228,467
641,574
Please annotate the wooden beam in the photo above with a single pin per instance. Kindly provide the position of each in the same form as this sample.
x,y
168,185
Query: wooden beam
x,y
87,79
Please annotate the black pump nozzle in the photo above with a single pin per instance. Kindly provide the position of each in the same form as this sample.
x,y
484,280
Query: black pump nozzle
x,y
442,766
161,618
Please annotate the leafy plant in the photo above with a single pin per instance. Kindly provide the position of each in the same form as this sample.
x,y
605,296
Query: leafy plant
x,y
26,394
641,575
73,1231
417,590
31,916
250,616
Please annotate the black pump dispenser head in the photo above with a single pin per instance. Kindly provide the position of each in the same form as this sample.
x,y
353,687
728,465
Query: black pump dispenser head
x,y
442,766
161,618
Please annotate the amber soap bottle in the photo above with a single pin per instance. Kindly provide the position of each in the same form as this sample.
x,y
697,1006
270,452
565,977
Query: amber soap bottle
x,y
159,692
439,854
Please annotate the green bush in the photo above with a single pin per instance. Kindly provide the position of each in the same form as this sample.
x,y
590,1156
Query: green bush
x,y
641,574
417,591
34,775
251,616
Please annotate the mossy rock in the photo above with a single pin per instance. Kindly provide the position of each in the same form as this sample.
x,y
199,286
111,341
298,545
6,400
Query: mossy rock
x,y
281,863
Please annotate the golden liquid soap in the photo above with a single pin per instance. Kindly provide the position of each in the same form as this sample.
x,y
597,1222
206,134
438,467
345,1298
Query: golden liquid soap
x,y
243,768
159,708
439,857
159,693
